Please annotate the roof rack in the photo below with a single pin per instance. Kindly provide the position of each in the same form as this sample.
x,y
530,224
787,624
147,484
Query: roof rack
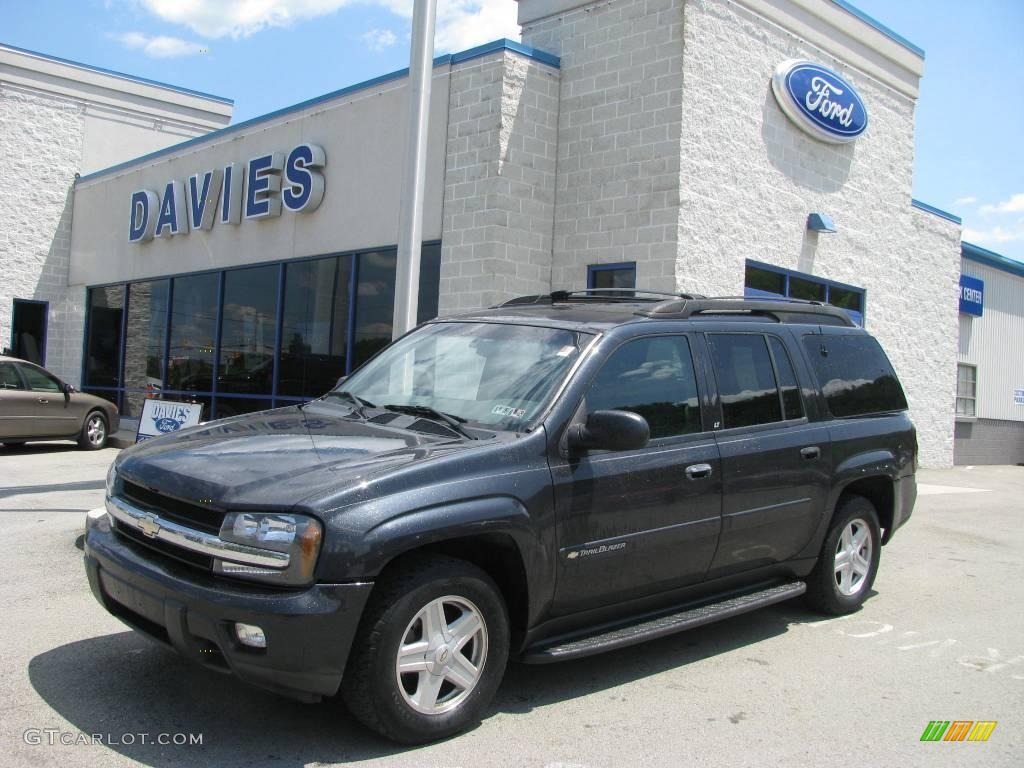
x,y
782,309
602,295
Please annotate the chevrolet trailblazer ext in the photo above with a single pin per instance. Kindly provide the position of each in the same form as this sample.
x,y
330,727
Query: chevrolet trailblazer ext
x,y
552,478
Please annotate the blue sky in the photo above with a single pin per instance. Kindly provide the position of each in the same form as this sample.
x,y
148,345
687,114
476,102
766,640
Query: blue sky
x,y
267,54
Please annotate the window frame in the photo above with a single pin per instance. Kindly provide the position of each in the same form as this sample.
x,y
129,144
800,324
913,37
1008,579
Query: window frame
x,y
786,274
718,404
973,399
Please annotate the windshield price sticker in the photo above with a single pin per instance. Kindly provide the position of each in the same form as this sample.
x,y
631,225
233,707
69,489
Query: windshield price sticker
x,y
505,410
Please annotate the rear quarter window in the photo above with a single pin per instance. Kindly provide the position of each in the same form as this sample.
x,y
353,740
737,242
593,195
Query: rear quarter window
x,y
855,375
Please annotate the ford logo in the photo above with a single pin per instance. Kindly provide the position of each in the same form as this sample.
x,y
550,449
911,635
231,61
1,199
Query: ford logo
x,y
167,425
819,101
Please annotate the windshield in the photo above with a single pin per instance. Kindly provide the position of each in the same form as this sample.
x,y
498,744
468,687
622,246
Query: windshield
x,y
501,376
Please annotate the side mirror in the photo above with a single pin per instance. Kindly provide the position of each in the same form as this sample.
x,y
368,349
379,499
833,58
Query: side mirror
x,y
610,431
69,389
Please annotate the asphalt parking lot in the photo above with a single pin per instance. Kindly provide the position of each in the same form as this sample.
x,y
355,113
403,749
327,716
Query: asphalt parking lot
x,y
942,639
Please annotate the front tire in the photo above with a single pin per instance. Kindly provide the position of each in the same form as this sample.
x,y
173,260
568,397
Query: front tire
x,y
848,563
94,435
430,652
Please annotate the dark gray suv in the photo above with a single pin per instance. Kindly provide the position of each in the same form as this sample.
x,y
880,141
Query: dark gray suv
x,y
548,479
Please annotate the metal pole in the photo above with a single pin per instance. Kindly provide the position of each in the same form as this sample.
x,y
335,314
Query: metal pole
x,y
410,224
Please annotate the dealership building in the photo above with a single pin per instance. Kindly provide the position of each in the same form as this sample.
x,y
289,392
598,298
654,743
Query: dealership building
x,y
722,147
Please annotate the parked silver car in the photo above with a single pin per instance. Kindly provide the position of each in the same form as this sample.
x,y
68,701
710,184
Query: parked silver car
x,y
36,405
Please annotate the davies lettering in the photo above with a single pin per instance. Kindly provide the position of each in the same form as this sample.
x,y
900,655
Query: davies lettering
x,y
819,101
272,182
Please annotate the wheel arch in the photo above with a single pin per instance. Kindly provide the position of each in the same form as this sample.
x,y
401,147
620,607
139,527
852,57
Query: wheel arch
x,y
880,491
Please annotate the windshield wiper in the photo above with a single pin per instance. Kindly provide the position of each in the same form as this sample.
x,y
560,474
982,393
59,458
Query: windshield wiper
x,y
357,401
448,419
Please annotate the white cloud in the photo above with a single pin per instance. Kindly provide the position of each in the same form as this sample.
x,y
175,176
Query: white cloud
x,y
996,235
379,39
460,23
159,46
969,200
1014,205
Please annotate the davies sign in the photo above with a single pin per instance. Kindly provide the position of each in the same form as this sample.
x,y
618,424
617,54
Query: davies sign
x,y
270,182
819,101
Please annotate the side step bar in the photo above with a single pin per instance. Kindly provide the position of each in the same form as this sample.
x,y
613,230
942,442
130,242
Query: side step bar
x,y
663,625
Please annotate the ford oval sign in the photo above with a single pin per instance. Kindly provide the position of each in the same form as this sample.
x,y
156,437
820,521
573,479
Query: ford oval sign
x,y
166,425
819,101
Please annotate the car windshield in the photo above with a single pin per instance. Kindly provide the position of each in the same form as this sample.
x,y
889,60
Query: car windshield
x,y
496,375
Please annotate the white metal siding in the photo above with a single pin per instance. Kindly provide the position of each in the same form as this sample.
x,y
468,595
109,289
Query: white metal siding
x,y
994,342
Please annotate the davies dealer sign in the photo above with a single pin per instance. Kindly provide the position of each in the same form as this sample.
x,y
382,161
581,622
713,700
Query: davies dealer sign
x,y
819,101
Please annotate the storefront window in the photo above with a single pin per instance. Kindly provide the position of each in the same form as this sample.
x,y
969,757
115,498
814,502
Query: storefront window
x,y
145,339
248,331
762,280
193,333
314,333
237,406
103,359
612,276
375,305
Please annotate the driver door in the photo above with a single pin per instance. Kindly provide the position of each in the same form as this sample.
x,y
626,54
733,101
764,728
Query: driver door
x,y
639,522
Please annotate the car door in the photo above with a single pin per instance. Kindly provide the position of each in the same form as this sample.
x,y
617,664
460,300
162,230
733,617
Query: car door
x,y
47,412
776,464
16,402
642,521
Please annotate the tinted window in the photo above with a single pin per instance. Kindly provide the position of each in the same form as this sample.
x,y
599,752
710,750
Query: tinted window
x,y
791,402
763,280
193,328
106,305
248,331
9,377
652,377
746,383
144,342
39,381
314,336
854,375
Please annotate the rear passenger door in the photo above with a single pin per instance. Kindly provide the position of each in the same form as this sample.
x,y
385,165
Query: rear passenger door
x,y
776,465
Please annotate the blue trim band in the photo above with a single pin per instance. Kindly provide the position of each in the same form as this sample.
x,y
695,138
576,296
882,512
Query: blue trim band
x,y
880,27
976,253
454,58
936,211
121,75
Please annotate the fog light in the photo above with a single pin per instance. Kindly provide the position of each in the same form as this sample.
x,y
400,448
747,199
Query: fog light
x,y
250,635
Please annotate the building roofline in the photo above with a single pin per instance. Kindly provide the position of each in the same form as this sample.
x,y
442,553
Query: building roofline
x,y
119,75
936,211
976,253
451,58
871,21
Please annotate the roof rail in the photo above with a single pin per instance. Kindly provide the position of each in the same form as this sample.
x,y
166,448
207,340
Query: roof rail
x,y
598,295
783,309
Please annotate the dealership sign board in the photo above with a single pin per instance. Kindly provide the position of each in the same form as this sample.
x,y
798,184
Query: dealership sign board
x,y
819,101
162,417
972,295
272,181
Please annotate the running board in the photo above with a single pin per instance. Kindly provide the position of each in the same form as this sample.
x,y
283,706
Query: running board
x,y
663,625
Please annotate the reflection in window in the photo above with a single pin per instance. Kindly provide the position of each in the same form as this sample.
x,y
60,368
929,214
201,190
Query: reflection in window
x,y
248,331
791,402
193,332
746,383
855,375
144,343
652,377
39,381
375,304
106,306
314,334
236,406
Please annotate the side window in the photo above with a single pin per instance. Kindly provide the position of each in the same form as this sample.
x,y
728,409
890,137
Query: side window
x,y
37,380
9,378
653,377
746,382
791,403
855,375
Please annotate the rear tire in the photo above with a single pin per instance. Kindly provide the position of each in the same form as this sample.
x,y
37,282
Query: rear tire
x,y
94,435
848,563
444,622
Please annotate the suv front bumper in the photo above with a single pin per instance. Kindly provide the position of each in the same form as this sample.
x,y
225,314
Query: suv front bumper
x,y
309,632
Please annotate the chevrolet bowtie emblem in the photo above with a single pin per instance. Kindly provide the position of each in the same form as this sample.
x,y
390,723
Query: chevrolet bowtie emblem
x,y
149,526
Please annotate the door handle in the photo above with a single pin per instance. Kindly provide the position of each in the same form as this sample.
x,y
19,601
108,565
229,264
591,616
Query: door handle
x,y
43,400
810,452
698,471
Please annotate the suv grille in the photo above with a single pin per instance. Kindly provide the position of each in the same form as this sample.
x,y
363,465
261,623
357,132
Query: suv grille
x,y
196,516
169,550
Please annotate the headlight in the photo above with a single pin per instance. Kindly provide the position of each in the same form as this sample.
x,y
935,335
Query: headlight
x,y
298,536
